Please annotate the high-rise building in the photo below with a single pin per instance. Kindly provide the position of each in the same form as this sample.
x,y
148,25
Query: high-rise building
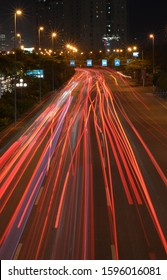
x,y
50,15
116,34
90,24
84,22
95,24
2,42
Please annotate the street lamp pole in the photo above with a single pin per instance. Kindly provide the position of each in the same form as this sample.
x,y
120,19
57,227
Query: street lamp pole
x,y
19,36
143,70
153,57
131,50
153,51
53,37
39,35
39,42
17,12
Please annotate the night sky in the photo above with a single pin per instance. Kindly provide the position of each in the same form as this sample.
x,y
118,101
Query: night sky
x,y
145,16
24,23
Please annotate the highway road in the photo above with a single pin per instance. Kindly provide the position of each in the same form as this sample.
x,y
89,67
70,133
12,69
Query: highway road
x,y
87,178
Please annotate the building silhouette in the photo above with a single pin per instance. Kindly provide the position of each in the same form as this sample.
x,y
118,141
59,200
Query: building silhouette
x,y
50,15
89,24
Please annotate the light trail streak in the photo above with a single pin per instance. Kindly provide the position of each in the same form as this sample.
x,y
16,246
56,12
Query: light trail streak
x,y
41,169
60,142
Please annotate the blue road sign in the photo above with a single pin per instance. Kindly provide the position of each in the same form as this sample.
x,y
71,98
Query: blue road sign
x,y
117,62
89,62
104,62
72,62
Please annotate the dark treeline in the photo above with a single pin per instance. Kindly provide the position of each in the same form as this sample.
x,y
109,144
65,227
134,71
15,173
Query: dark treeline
x,y
27,97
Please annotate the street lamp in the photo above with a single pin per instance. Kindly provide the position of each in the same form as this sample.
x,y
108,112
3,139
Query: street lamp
x,y
21,84
19,37
152,37
41,28
131,49
73,48
53,37
118,50
17,13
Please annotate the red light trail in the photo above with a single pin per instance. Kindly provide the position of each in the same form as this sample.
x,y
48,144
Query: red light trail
x,y
49,181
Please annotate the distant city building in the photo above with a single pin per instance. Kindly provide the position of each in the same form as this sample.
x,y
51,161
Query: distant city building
x,y
116,24
97,24
50,15
89,24
85,23
2,42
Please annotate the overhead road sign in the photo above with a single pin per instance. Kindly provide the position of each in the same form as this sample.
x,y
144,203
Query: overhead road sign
x,y
89,62
136,54
117,62
72,62
104,62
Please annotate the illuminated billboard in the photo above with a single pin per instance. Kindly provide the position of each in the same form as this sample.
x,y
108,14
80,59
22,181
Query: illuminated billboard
x,y
37,73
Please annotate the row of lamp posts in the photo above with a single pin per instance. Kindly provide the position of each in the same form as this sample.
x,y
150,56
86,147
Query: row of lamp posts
x,y
41,28
17,13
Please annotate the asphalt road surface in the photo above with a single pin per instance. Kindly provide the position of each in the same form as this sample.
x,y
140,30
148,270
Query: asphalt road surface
x,y
87,178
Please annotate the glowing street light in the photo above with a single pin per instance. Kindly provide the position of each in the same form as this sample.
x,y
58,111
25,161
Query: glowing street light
x,y
17,13
21,84
19,36
152,37
118,50
53,37
41,28
72,48
131,49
